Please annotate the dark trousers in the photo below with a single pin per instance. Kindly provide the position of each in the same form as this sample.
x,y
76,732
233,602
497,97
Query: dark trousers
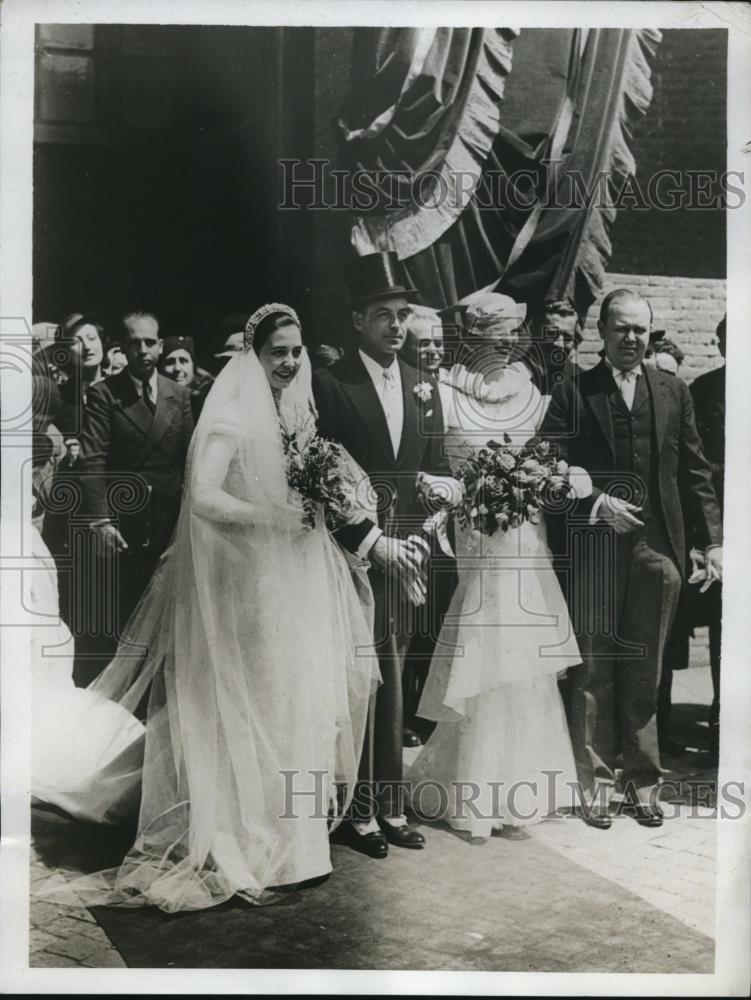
x,y
381,768
614,692
675,657
441,579
715,644
109,588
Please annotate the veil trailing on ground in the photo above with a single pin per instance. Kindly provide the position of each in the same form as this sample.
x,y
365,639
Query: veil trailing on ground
x,y
254,653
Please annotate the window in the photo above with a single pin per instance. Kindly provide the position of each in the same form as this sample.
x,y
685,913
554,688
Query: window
x,y
105,84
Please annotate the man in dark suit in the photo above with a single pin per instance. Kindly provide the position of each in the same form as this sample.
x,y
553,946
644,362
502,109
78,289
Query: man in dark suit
x,y
389,419
555,336
708,393
137,429
424,350
633,429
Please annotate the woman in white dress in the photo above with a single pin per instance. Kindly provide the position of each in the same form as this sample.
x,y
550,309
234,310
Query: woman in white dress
x,y
492,685
87,751
252,642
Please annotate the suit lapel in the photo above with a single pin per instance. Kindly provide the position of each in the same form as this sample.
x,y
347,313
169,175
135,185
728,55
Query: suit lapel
x,y
364,398
660,403
151,426
131,405
409,423
166,406
642,393
598,385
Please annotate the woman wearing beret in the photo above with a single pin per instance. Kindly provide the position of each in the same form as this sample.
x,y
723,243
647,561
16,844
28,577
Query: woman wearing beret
x,y
178,362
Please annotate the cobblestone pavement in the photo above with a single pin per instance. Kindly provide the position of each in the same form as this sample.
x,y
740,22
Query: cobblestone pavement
x,y
505,906
64,936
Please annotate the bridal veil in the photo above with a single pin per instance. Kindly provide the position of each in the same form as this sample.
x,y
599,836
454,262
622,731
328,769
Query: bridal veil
x,y
253,653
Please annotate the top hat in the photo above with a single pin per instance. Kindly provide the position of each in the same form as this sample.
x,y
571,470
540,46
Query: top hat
x,y
377,276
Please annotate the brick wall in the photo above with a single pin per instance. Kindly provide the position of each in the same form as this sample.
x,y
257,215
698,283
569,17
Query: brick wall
x,y
684,130
688,309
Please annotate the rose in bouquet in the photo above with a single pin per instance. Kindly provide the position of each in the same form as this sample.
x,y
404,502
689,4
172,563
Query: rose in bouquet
x,y
505,485
313,471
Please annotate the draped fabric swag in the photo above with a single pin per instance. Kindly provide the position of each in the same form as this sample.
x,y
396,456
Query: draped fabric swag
x,y
472,154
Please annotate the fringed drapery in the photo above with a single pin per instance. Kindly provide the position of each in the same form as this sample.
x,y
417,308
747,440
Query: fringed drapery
x,y
539,152
423,112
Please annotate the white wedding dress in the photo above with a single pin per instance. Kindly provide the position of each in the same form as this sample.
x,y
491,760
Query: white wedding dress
x,y
87,751
253,644
492,685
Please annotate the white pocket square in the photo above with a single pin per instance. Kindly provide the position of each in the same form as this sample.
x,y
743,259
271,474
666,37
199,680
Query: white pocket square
x,y
429,413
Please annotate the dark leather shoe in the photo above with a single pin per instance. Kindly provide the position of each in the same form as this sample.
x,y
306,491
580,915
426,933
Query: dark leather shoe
x,y
509,832
714,744
410,738
648,815
671,748
598,818
402,836
373,844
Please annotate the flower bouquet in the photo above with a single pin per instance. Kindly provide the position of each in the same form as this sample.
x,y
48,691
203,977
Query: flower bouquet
x,y
506,485
313,471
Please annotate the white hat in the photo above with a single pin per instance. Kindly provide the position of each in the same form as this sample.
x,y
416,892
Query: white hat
x,y
492,314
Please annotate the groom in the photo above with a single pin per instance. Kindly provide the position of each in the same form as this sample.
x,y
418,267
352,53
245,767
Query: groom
x,y
389,419
632,427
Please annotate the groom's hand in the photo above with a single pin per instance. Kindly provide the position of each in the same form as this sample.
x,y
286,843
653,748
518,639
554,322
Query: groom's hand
x,y
396,557
402,561
619,514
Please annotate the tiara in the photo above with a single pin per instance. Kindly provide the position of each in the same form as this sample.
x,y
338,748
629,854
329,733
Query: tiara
x,y
261,314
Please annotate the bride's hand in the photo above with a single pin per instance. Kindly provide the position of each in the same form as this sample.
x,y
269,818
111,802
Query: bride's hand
x,y
439,492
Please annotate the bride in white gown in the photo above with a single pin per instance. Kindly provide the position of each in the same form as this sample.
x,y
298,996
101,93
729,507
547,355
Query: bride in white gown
x,y
254,646
492,685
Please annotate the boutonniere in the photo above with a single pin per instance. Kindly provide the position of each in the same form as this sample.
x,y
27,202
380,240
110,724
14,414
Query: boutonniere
x,y
423,391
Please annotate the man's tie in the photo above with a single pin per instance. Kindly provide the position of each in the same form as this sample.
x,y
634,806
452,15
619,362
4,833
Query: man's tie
x,y
390,408
147,396
627,385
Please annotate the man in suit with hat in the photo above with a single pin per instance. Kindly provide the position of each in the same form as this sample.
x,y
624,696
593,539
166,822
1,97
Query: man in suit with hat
x,y
632,427
137,429
389,418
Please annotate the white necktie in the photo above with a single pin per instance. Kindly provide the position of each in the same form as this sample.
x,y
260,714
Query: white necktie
x,y
627,385
390,408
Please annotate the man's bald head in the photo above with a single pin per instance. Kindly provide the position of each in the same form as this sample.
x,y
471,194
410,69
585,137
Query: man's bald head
x,y
624,325
621,295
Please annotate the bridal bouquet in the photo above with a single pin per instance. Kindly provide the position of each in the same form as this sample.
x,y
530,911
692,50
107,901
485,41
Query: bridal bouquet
x,y
313,471
506,485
